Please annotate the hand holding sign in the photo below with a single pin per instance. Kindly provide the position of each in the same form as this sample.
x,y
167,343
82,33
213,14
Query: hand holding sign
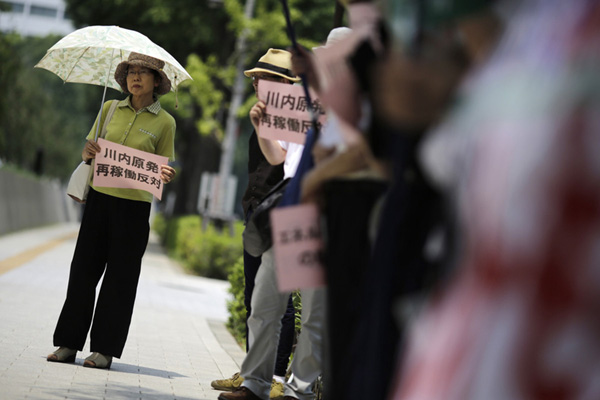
x,y
256,114
90,150
167,173
120,166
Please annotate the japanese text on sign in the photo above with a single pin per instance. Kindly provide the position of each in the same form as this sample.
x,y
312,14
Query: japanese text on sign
x,y
297,246
287,115
120,166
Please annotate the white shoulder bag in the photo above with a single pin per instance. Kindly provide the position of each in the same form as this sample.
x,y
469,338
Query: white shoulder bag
x,y
79,183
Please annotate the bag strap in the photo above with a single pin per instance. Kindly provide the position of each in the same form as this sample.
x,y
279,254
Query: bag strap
x,y
111,111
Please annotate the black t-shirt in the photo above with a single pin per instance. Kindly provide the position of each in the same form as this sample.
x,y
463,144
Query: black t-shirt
x,y
262,176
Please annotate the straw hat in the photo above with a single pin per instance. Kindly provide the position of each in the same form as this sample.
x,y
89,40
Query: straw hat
x,y
142,60
275,62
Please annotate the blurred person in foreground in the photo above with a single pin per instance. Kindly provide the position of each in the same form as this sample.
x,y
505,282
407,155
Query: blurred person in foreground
x,y
269,304
114,228
274,66
386,225
344,181
412,88
412,240
520,320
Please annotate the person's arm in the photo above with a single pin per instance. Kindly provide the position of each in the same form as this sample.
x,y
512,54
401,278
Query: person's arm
x,y
321,153
353,158
303,64
167,173
271,149
89,151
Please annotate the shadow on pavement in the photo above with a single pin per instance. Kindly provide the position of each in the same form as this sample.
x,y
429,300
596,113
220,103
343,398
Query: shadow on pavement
x,y
139,370
131,369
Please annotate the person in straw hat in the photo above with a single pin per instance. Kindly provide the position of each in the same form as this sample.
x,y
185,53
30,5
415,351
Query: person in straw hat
x,y
275,66
268,304
114,227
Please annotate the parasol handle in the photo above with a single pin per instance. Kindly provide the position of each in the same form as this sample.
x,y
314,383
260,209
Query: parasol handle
x,y
104,94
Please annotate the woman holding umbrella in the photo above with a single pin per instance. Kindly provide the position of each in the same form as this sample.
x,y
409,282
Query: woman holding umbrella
x,y
114,228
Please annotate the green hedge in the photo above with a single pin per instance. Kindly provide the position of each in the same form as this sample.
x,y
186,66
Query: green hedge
x,y
211,253
236,322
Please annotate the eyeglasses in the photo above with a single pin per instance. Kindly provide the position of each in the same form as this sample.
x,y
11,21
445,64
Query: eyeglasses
x,y
141,72
272,78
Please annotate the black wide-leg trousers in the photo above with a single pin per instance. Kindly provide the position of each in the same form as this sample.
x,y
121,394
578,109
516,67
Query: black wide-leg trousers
x,y
111,242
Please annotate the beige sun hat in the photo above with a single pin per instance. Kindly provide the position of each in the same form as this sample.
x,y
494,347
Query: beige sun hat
x,y
335,35
276,62
142,60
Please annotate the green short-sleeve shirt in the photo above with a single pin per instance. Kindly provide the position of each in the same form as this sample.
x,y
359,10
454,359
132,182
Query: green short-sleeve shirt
x,y
150,129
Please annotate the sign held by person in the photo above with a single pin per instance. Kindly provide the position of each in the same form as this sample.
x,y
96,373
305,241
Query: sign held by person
x,y
297,247
120,166
287,115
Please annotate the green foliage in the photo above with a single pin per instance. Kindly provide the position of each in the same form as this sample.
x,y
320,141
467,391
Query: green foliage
x,y
182,27
39,114
204,91
312,20
10,61
235,10
245,108
159,225
297,300
210,253
236,322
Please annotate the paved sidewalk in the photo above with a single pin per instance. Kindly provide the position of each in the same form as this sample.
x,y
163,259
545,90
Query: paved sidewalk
x,y
177,341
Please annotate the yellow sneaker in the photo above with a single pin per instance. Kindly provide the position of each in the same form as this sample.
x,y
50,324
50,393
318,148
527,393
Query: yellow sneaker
x,y
229,384
276,390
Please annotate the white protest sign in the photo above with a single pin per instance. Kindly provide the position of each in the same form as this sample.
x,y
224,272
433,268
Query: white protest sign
x,y
120,166
297,246
287,115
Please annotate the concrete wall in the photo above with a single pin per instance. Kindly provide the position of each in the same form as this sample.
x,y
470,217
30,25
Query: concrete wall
x,y
26,202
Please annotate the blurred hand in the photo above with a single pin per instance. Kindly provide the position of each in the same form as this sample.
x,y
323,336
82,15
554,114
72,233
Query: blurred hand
x,y
320,152
303,64
354,158
90,150
415,92
167,173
